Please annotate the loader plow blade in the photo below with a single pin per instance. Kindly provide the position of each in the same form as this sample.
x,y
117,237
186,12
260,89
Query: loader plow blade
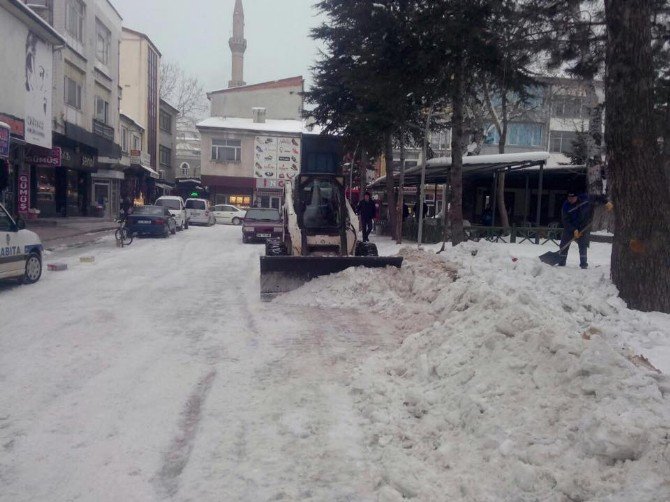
x,y
281,274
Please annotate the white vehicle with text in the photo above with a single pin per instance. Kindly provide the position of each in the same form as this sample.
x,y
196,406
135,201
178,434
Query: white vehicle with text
x,y
20,250
177,208
229,214
200,212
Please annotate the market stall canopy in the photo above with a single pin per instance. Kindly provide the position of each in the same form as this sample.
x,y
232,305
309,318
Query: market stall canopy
x,y
438,170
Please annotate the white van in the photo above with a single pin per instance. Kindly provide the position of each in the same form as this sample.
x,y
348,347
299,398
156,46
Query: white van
x,y
20,250
177,209
200,212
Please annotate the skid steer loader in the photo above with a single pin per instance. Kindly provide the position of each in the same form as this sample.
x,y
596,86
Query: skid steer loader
x,y
321,234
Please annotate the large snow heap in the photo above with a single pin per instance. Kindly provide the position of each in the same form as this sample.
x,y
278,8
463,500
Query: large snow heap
x,y
514,381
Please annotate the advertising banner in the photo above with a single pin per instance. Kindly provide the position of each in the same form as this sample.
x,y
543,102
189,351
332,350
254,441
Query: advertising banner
x,y
276,158
4,141
38,68
45,158
24,190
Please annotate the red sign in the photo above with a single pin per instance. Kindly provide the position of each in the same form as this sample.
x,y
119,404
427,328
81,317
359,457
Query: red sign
x,y
24,191
45,158
16,125
4,142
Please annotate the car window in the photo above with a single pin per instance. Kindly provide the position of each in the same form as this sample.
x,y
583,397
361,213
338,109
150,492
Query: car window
x,y
196,204
5,221
228,208
263,214
169,203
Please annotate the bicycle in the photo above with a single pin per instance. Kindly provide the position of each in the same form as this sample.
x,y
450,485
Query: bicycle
x,y
122,235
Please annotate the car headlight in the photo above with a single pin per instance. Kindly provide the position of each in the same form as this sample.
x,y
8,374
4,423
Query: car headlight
x,y
279,229
247,229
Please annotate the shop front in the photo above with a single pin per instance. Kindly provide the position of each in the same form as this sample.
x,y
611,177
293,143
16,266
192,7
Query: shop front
x,y
140,180
106,190
12,150
269,193
61,181
230,190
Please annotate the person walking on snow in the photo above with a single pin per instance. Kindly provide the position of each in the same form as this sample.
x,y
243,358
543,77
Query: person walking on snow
x,y
576,216
367,210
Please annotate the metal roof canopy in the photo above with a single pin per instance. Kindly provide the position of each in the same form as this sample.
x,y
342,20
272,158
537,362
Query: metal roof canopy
x,y
438,171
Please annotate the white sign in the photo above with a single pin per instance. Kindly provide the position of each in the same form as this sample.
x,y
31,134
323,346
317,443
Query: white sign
x,y
276,158
38,83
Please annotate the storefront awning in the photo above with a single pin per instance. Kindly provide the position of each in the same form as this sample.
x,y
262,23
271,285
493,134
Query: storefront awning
x,y
163,185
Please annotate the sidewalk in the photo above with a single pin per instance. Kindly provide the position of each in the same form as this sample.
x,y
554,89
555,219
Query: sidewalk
x,y
70,232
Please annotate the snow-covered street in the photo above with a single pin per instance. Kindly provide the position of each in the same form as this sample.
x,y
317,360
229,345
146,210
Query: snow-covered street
x,y
156,373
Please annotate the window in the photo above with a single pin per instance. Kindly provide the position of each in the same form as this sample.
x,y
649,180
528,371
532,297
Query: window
x,y
137,142
103,42
74,19
568,107
185,168
227,150
101,110
5,222
72,93
164,156
165,121
124,139
196,204
240,200
517,135
561,141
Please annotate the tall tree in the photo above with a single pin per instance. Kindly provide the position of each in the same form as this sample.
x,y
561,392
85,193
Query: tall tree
x,y
184,92
640,256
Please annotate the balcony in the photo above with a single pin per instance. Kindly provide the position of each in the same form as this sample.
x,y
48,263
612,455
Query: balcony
x,y
103,130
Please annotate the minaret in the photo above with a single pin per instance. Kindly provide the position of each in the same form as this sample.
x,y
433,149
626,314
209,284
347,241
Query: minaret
x,y
238,46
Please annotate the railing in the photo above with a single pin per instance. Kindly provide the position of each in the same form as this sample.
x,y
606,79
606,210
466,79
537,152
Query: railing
x,y
103,130
433,233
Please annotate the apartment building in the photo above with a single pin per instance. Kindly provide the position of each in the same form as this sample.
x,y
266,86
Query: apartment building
x,y
140,82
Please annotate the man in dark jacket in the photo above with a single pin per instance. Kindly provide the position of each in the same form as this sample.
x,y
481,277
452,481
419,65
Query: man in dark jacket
x,y
576,216
367,211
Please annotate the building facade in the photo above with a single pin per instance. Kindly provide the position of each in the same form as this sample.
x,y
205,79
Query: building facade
x,y
26,102
246,162
167,146
140,71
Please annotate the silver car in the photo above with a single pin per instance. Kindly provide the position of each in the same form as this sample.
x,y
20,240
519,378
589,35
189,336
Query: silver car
x,y
200,212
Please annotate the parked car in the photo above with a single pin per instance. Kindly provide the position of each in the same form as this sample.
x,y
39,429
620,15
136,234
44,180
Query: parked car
x,y
262,224
200,212
177,209
20,250
225,213
152,220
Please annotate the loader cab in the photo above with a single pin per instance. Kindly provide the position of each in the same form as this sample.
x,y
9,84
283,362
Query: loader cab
x,y
320,204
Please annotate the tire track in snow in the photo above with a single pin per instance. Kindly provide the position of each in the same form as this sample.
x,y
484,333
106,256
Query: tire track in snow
x,y
179,453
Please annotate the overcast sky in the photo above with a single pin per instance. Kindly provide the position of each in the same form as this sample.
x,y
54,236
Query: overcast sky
x,y
195,34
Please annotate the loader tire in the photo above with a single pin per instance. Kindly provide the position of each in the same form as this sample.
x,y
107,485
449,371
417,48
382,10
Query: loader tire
x,y
366,249
275,247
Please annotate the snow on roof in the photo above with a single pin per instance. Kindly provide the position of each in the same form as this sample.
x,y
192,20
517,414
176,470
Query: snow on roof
x,y
270,125
4,126
502,158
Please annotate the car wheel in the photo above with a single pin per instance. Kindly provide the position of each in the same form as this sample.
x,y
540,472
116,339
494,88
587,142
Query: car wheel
x,y
174,230
237,221
33,269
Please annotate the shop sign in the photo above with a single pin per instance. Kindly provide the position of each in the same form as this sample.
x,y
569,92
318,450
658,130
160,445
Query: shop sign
x,y
16,126
87,161
270,183
139,158
24,190
45,158
4,141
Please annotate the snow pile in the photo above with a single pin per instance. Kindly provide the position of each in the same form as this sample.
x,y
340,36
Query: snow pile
x,y
519,387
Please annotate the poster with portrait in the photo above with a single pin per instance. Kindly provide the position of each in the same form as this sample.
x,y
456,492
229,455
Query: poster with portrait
x,y
38,83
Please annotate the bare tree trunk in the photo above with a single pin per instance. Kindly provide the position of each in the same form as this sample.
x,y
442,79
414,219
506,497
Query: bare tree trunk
x,y
401,191
502,207
640,255
390,184
456,213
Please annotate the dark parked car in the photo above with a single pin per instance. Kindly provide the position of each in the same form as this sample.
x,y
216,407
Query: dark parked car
x,y
262,224
151,220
